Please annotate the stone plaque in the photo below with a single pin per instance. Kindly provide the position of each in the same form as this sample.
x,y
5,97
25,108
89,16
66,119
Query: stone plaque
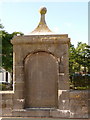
x,y
41,76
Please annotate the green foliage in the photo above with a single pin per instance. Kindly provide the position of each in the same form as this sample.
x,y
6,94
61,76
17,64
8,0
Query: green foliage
x,y
80,80
0,45
4,87
7,49
6,53
79,58
79,62
83,56
72,64
1,26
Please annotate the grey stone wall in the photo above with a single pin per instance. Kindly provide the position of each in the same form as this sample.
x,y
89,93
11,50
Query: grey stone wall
x,y
6,103
79,103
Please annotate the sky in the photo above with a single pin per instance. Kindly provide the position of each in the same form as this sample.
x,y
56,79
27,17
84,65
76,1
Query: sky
x,y
62,17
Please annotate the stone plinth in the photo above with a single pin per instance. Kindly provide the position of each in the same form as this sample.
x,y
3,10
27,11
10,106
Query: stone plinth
x,y
27,52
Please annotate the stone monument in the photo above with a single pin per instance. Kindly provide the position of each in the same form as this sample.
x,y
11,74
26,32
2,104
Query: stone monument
x,y
40,73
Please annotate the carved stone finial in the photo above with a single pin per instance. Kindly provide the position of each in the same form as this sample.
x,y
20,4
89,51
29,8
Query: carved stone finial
x,y
43,10
42,27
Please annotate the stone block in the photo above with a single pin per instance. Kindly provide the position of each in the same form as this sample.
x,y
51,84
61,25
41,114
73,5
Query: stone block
x,y
0,103
0,95
60,113
64,105
19,69
65,95
63,84
0,112
89,108
79,94
75,106
7,112
7,96
19,78
18,104
19,94
89,94
81,116
18,57
3,103
9,103
19,86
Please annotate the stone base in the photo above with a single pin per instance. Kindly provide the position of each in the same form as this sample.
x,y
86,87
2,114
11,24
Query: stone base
x,y
31,112
41,112
27,118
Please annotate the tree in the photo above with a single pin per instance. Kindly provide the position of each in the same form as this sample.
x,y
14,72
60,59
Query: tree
x,y
1,26
79,61
83,56
7,50
79,57
72,56
87,50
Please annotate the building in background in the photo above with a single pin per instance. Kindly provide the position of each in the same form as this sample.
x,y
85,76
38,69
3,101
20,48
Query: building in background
x,y
5,76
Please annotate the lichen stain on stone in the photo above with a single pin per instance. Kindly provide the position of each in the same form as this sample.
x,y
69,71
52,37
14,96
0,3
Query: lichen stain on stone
x,y
77,96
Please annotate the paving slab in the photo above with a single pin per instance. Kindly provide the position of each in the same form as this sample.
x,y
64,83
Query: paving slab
x,y
38,118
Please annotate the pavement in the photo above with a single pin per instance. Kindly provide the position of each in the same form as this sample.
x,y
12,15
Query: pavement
x,y
32,118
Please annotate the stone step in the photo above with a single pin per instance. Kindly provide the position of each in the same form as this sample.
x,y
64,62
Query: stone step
x,y
42,113
31,113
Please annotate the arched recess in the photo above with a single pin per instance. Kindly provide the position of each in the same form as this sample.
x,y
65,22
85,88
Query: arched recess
x,y
41,77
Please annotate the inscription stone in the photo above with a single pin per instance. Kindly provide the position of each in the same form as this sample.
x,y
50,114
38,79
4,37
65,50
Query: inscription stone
x,y
41,83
